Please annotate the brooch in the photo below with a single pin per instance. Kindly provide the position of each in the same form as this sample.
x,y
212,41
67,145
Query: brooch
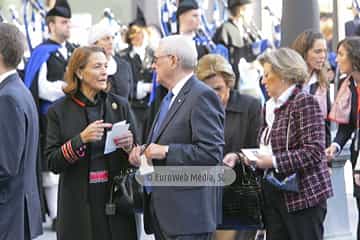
x,y
114,106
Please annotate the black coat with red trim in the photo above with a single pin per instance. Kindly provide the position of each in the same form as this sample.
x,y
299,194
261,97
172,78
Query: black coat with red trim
x,y
69,157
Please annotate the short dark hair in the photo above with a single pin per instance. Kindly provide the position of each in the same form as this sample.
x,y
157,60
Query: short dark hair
x,y
48,20
12,45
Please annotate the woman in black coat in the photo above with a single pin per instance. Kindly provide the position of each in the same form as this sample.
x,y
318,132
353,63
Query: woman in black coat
x,y
77,126
242,122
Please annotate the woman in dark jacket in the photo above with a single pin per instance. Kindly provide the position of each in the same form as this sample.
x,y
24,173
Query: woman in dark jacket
x,y
77,126
312,47
242,122
348,58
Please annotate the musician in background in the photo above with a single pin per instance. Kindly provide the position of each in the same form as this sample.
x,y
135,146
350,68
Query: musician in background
x,y
140,57
188,20
237,34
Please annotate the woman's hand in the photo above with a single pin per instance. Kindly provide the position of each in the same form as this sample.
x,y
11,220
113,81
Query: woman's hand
x,y
330,152
94,131
230,159
125,142
357,179
264,161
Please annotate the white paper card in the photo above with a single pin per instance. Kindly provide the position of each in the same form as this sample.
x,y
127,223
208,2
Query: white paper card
x,y
118,129
145,167
251,153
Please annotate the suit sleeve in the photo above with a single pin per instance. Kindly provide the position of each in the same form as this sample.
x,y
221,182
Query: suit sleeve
x,y
308,122
207,127
12,142
344,133
59,154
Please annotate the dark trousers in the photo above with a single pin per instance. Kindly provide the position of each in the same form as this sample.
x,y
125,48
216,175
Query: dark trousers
x,y
282,225
161,235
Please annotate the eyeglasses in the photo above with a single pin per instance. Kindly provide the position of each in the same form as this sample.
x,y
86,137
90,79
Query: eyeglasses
x,y
155,58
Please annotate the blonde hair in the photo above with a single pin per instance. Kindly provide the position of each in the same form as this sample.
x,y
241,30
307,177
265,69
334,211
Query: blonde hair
x,y
214,64
286,63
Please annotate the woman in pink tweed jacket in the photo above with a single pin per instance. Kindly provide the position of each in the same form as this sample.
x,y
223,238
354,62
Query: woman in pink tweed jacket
x,y
292,143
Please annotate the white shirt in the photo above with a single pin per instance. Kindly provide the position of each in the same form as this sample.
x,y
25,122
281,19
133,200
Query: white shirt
x,y
179,85
272,104
141,51
51,91
112,66
313,79
6,74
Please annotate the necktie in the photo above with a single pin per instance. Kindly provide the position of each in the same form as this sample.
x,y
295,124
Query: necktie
x,y
164,108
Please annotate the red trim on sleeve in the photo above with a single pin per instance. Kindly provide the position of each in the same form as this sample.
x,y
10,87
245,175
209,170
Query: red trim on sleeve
x,y
65,152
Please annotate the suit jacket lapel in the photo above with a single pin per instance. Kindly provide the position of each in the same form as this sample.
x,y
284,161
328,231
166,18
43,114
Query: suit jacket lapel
x,y
178,101
148,141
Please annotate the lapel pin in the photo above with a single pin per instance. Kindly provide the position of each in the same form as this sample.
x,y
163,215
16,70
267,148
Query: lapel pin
x,y
57,54
179,100
114,106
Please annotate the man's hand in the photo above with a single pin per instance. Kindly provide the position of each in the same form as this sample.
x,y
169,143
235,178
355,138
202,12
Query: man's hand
x,y
134,156
330,152
230,160
156,151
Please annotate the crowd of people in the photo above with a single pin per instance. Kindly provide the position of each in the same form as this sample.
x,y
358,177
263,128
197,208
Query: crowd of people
x,y
56,119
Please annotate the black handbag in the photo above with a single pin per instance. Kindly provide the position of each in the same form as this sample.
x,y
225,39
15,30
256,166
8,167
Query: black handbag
x,y
126,194
242,200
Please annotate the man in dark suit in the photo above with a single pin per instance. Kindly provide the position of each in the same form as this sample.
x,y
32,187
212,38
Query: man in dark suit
x,y
187,131
19,130
44,75
352,26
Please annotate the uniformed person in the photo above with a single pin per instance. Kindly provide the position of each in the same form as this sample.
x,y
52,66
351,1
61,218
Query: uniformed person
x,y
237,35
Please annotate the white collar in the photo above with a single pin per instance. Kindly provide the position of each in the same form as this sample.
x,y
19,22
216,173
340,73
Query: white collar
x,y
6,74
284,96
313,79
273,104
180,84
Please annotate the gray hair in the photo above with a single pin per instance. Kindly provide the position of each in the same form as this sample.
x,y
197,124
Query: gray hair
x,y
286,63
12,45
182,47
